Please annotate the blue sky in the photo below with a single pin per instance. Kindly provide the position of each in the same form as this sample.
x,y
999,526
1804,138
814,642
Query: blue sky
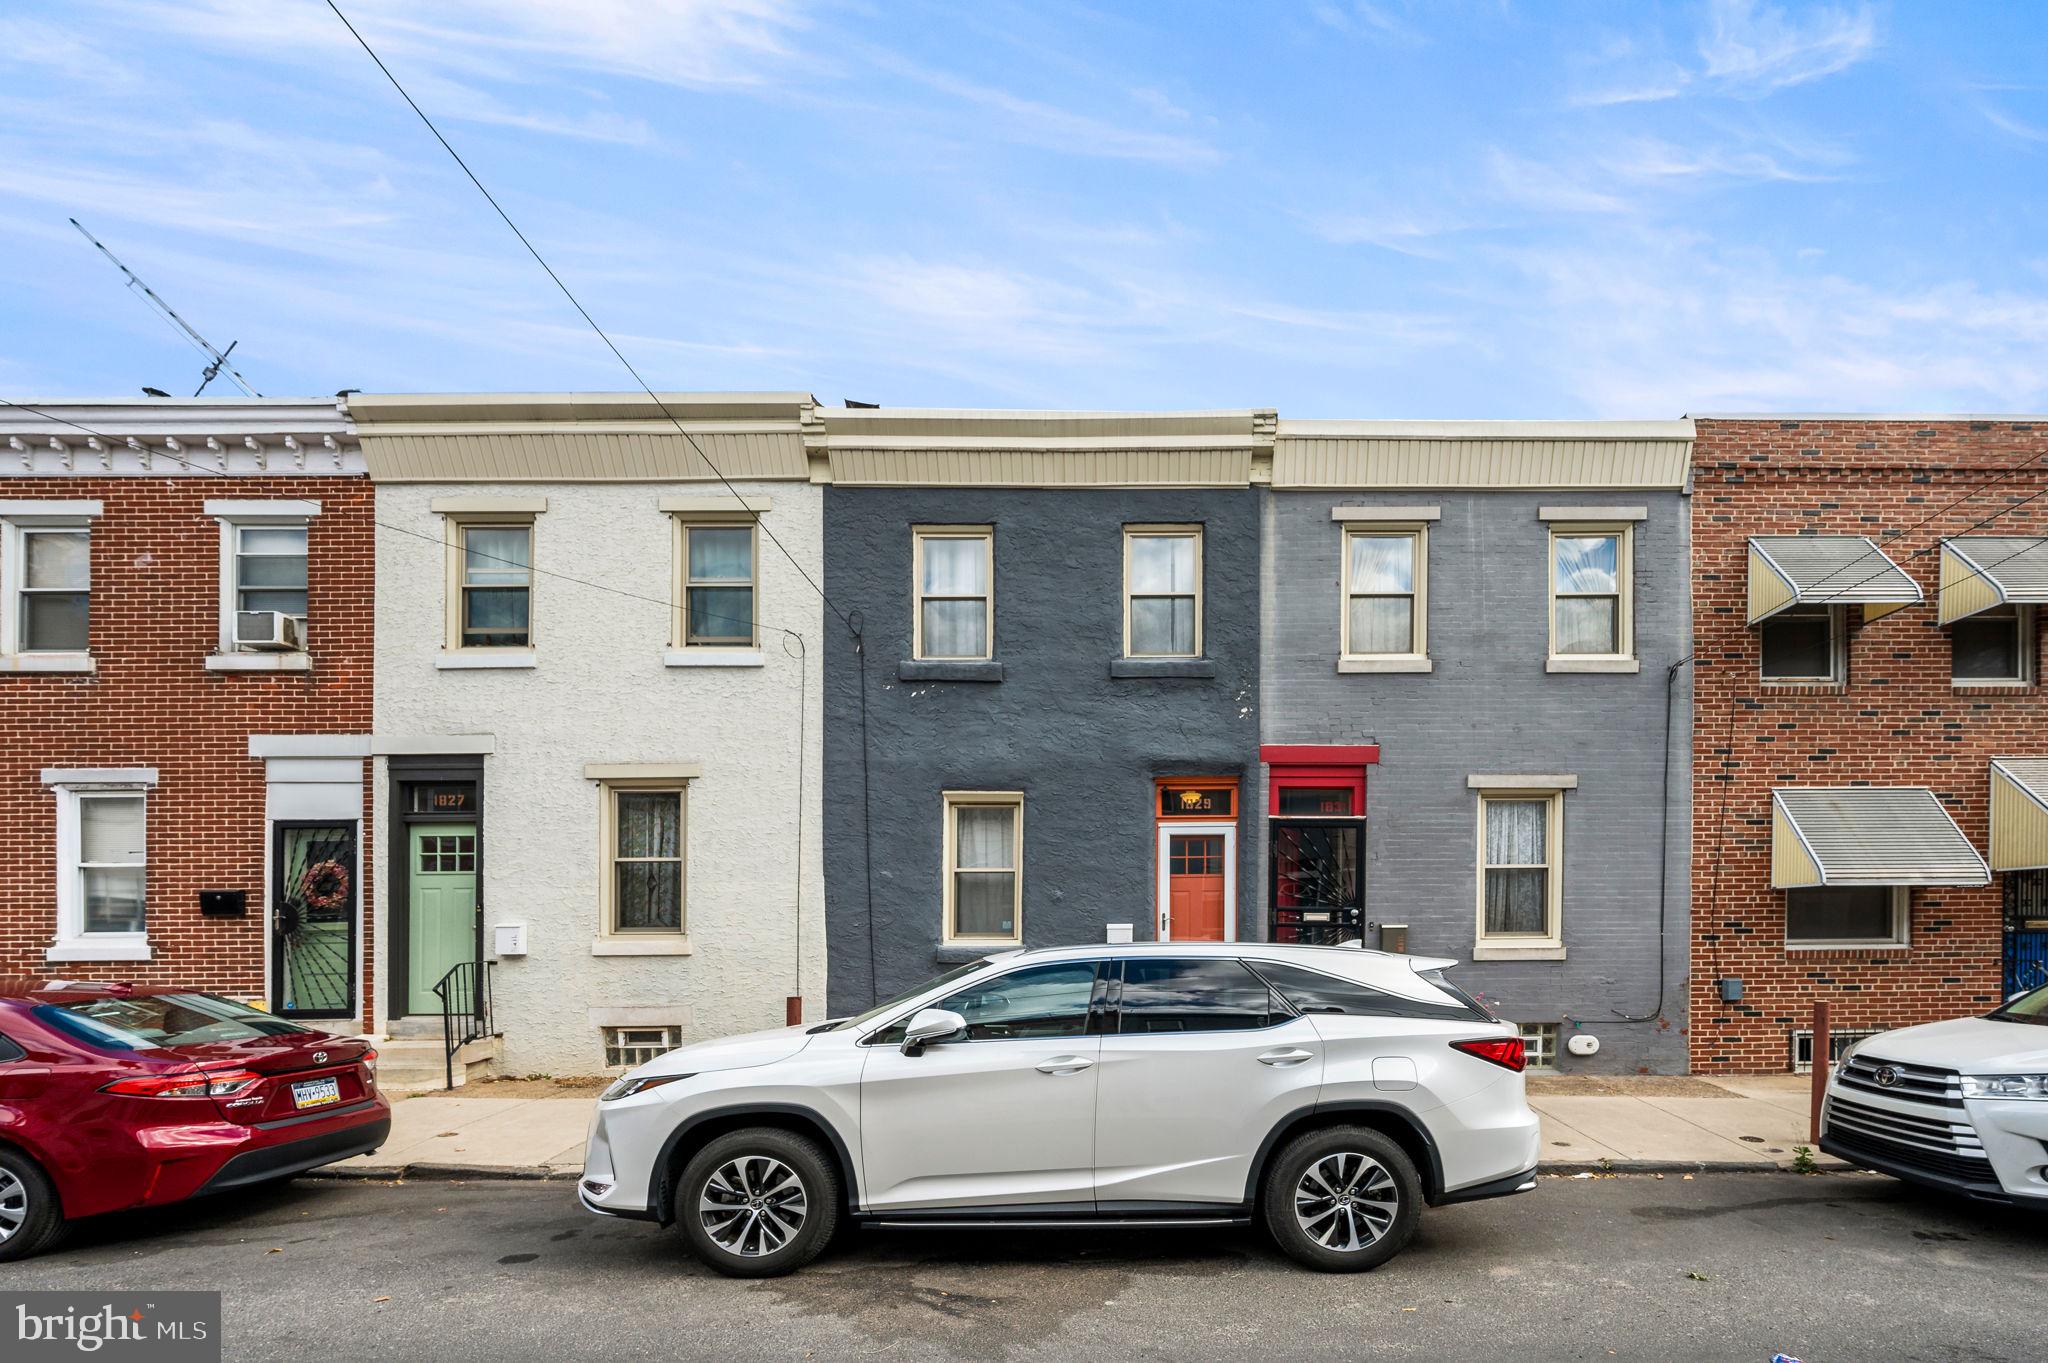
x,y
1336,207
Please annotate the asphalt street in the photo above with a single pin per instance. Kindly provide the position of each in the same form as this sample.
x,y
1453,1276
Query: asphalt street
x,y
1827,1268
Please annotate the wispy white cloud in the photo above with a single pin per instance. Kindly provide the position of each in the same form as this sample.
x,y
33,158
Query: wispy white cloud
x,y
1368,19
1759,48
1548,187
2012,125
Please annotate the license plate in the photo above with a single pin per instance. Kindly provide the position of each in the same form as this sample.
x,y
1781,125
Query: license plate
x,y
316,1093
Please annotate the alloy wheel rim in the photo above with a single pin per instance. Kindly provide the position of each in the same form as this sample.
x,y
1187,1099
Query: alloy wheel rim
x,y
1346,1201
13,1205
752,1206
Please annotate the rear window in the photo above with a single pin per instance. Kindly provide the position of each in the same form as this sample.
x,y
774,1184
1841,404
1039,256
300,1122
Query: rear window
x,y
1207,995
154,1021
1311,991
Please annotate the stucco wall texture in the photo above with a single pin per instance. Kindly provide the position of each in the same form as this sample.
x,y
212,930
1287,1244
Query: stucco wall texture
x,y
600,693
1083,747
1490,708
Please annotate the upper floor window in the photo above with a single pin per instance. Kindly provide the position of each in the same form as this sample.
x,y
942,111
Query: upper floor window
x,y
1383,592
263,561
1804,644
1162,591
1590,608
53,589
953,571
496,585
1993,647
719,584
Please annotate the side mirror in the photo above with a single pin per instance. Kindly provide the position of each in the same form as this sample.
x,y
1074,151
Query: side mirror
x,y
930,1025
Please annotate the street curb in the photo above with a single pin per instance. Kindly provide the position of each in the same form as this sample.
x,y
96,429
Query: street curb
x,y
539,1173
529,1173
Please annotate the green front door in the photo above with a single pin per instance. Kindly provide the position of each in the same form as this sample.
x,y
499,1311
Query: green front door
x,y
441,908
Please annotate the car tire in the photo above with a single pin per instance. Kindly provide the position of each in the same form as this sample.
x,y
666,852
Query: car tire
x,y
783,1192
1342,1199
31,1218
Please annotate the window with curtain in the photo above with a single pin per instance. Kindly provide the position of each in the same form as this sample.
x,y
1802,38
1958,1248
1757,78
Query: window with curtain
x,y
1519,865
646,861
54,590
982,880
1589,593
497,586
718,586
270,569
1382,571
112,861
954,570
1163,592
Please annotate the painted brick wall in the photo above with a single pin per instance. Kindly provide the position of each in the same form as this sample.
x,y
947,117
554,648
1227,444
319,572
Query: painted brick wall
x,y
1897,721
154,619
1489,707
1083,747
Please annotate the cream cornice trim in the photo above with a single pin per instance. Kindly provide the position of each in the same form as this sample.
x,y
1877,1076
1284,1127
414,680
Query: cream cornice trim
x,y
1488,430
1550,781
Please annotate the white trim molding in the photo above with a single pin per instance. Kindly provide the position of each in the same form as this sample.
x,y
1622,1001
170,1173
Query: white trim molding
x,y
267,509
309,745
729,505
642,771
99,776
1545,782
259,662
488,506
1386,513
1592,513
38,509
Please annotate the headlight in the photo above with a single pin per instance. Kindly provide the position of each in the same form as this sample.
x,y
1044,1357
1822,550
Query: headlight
x,y
1850,1049
631,1084
2005,1086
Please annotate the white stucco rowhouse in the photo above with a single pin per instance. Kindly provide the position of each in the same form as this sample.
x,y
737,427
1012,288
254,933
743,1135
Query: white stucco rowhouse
x,y
597,732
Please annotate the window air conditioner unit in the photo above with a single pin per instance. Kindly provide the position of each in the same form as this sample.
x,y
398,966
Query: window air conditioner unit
x,y
269,631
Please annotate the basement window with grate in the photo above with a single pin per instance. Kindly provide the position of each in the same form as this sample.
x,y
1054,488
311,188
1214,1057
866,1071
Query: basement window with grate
x,y
626,1047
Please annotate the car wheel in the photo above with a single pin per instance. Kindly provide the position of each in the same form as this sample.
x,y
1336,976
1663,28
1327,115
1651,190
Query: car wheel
x,y
758,1203
31,1220
1342,1199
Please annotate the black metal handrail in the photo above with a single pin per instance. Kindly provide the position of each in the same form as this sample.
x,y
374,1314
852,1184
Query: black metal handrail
x,y
465,994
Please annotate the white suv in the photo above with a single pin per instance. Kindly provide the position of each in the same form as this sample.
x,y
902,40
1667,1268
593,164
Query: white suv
x,y
1960,1105
1328,1092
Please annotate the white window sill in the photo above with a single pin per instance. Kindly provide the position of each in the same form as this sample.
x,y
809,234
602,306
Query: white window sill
x,y
1618,665
46,662
714,657
1847,946
1494,952
1990,684
259,662
650,945
124,948
1398,662
467,660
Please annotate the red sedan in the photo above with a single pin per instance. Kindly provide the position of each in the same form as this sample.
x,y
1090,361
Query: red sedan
x,y
115,1096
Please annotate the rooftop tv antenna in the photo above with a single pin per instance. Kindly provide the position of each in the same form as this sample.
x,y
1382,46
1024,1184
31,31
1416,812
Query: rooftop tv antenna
x,y
218,359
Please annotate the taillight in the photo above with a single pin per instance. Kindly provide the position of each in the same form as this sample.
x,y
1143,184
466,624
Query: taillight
x,y
189,1084
370,1063
1504,1051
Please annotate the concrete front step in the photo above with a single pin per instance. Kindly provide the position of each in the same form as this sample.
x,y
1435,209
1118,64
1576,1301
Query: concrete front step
x,y
418,1064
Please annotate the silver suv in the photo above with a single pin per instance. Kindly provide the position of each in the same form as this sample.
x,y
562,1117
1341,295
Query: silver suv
x,y
1327,1093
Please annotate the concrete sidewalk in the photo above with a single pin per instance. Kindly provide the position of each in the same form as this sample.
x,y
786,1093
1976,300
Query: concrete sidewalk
x,y
1752,1124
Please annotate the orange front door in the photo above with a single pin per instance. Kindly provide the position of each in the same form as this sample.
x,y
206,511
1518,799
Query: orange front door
x,y
1194,886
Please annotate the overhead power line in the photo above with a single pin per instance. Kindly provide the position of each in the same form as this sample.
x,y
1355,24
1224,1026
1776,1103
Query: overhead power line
x,y
584,312
218,358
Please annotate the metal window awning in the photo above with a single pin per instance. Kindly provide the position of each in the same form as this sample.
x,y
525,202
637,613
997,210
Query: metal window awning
x,y
1868,835
1982,572
1825,570
2019,813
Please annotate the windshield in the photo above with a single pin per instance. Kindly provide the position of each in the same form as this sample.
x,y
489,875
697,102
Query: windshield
x,y
2029,1007
149,1022
882,1008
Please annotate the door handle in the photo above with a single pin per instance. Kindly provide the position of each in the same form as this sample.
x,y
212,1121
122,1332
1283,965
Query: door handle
x,y
1065,1064
1292,1055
